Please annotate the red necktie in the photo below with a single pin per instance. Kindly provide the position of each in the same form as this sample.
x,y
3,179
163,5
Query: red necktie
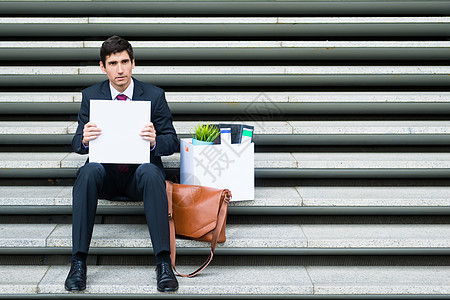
x,y
121,97
123,168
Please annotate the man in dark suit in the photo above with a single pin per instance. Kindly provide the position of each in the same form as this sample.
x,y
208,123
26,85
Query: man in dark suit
x,y
144,182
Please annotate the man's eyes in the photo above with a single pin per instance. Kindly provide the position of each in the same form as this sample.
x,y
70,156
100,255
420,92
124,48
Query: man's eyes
x,y
124,62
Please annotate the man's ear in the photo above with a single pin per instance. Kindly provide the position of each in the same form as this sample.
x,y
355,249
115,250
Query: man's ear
x,y
133,64
102,67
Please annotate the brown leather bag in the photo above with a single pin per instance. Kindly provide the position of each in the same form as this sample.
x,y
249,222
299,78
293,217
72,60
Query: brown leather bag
x,y
198,213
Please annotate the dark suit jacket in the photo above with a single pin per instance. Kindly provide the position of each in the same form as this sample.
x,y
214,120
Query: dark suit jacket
x,y
166,137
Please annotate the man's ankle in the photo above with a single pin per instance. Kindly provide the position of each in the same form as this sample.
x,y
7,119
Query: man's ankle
x,y
81,256
163,257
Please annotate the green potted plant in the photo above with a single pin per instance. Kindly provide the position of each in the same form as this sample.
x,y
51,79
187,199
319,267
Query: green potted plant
x,y
204,134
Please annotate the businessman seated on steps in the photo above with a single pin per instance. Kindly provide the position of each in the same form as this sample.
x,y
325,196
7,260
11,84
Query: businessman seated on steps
x,y
144,182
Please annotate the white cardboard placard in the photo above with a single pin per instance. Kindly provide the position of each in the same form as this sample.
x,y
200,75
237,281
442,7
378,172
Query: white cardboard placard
x,y
229,166
120,122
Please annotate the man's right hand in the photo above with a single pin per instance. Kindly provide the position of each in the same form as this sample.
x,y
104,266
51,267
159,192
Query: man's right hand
x,y
90,132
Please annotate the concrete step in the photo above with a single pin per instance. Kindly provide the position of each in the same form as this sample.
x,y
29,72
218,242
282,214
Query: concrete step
x,y
236,281
266,132
256,239
267,165
235,75
225,26
215,7
233,50
268,201
248,103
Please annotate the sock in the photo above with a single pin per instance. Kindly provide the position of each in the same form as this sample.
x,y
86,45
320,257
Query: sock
x,y
163,256
80,256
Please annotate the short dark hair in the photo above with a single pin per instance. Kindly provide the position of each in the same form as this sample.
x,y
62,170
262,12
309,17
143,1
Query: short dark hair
x,y
113,45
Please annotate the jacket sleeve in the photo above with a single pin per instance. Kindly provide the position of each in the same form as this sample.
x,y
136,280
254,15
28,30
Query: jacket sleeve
x,y
83,118
166,136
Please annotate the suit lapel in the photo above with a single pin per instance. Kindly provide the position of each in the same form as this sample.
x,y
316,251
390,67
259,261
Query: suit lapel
x,y
138,91
106,91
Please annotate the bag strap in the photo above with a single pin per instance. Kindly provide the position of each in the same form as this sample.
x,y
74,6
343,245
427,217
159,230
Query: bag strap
x,y
173,249
225,199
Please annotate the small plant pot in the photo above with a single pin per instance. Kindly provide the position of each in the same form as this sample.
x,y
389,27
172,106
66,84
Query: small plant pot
x,y
197,142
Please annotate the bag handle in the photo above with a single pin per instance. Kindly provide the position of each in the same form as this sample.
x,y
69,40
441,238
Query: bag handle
x,y
225,199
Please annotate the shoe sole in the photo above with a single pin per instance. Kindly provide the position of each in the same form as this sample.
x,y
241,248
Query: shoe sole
x,y
75,289
166,290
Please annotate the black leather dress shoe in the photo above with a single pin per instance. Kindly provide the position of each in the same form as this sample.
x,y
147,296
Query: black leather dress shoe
x,y
166,281
76,280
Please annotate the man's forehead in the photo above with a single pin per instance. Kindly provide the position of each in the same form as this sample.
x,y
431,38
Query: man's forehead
x,y
118,56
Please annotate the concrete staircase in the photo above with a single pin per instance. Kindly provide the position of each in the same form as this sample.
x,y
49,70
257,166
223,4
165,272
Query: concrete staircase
x,y
350,103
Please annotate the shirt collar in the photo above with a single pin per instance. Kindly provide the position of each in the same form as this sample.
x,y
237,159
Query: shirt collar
x,y
128,92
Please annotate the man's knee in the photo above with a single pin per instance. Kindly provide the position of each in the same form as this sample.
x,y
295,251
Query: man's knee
x,y
149,171
92,170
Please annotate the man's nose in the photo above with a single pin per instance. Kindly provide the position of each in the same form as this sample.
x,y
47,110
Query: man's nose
x,y
120,68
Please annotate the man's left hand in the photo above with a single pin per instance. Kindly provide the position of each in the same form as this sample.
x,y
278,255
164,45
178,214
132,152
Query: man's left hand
x,y
149,134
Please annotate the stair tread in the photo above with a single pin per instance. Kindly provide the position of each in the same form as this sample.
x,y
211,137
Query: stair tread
x,y
264,127
279,236
236,75
271,160
225,20
37,71
239,7
242,44
269,97
300,196
240,280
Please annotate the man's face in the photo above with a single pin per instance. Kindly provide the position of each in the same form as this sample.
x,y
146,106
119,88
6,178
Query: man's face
x,y
118,68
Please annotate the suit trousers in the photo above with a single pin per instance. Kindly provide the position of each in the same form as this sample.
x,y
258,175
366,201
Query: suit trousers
x,y
144,182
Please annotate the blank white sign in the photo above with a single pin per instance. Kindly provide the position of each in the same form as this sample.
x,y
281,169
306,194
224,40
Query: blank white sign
x,y
120,122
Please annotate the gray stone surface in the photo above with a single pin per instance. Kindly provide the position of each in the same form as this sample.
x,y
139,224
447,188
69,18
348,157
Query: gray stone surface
x,y
74,160
40,97
261,70
38,70
272,97
226,97
42,44
234,70
62,196
42,128
272,196
21,279
262,160
369,97
104,236
263,127
377,235
274,160
29,195
229,20
31,160
24,235
370,127
373,160
43,20
375,196
234,280
136,235
237,280
230,44
352,236
324,196
389,280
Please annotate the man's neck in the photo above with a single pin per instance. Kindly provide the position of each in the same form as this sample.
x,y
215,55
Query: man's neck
x,y
129,93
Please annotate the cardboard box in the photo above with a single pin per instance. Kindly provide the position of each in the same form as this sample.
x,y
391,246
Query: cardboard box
x,y
229,166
